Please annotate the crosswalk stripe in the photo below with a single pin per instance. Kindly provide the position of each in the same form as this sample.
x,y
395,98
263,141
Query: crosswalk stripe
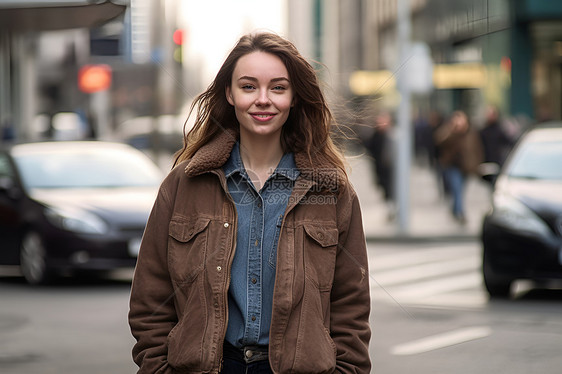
x,y
440,275
420,290
401,259
427,270
443,340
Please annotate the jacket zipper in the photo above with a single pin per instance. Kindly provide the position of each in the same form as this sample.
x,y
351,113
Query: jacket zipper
x,y
225,301
222,180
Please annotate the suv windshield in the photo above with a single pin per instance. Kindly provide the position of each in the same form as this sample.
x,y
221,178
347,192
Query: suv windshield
x,y
537,160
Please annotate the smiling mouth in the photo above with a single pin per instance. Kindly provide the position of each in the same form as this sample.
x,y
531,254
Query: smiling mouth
x,y
263,116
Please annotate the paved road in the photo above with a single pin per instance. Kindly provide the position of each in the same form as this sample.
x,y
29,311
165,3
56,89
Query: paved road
x,y
430,315
438,274
72,327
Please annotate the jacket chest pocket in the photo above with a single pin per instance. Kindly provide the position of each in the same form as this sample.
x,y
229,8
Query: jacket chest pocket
x,y
319,248
187,247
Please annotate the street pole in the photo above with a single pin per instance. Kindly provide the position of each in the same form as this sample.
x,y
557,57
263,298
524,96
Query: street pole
x,y
404,130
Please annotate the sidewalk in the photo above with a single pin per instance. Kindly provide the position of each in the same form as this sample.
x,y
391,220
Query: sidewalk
x,y
430,217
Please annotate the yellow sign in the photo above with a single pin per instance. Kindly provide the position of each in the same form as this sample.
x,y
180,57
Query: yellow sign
x,y
445,76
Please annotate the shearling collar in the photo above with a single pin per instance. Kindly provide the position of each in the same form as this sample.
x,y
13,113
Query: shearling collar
x,y
214,155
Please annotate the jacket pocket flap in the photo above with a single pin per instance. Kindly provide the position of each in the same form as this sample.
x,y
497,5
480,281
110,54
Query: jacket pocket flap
x,y
324,236
184,230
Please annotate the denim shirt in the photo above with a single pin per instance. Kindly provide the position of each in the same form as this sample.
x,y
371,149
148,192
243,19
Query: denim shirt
x,y
260,214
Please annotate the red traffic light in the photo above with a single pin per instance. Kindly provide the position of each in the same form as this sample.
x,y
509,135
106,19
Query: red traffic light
x,y
178,36
94,78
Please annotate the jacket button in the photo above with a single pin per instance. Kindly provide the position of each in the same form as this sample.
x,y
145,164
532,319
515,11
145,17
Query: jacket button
x,y
320,235
219,268
226,224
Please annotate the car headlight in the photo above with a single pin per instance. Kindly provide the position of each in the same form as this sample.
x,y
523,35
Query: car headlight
x,y
513,214
76,220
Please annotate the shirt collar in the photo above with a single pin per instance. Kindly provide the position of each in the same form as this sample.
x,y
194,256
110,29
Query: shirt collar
x,y
286,166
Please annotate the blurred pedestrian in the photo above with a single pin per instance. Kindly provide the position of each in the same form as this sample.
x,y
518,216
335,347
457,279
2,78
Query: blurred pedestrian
x,y
495,140
254,257
381,148
460,153
423,139
435,120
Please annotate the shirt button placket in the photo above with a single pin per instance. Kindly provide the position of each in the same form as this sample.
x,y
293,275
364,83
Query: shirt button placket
x,y
255,268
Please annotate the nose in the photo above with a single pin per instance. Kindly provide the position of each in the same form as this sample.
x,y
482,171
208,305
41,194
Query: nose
x,y
263,98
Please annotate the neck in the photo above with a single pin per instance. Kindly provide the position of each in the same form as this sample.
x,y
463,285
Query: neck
x,y
260,157
261,154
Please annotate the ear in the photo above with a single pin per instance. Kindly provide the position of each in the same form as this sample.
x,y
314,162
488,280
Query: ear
x,y
228,93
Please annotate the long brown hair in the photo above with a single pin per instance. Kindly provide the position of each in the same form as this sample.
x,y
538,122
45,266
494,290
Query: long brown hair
x,y
310,120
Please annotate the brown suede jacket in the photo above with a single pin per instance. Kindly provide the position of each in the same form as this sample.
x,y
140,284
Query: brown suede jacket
x,y
321,305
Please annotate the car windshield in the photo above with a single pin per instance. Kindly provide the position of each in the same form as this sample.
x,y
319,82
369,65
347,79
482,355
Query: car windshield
x,y
537,160
87,168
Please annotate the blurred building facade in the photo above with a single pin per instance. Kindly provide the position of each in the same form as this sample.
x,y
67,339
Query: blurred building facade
x,y
506,53
44,45
41,45
502,52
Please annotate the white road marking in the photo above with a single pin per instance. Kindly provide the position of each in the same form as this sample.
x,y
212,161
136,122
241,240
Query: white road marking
x,y
389,260
439,341
429,270
440,275
420,290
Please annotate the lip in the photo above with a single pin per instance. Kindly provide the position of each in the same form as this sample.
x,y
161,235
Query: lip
x,y
262,116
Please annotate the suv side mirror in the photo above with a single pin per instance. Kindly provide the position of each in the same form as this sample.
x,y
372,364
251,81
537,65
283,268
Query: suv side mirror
x,y
9,188
489,171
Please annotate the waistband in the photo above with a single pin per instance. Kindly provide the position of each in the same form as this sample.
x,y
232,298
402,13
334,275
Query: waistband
x,y
247,354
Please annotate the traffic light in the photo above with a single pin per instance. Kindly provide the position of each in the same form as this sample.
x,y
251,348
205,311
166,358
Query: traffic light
x,y
178,41
94,78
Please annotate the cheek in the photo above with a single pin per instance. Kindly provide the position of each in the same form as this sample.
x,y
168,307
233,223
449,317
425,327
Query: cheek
x,y
241,102
285,103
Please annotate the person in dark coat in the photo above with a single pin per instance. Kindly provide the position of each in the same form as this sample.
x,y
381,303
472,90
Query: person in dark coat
x,y
381,148
495,141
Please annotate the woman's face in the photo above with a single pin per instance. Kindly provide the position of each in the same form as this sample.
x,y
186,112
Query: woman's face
x,y
261,93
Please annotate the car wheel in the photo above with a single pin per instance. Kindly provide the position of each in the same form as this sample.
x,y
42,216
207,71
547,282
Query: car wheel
x,y
498,286
33,259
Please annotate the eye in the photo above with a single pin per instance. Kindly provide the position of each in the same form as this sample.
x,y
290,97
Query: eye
x,y
279,88
247,87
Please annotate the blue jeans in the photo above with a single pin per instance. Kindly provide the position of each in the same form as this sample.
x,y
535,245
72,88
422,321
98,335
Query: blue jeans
x,y
455,179
231,366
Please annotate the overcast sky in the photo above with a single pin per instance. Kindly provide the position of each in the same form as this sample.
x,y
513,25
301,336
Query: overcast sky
x,y
214,26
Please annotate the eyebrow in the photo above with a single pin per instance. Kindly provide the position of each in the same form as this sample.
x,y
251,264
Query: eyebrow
x,y
253,79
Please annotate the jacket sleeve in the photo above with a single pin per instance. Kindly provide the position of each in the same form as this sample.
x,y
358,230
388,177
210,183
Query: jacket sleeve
x,y
350,296
152,313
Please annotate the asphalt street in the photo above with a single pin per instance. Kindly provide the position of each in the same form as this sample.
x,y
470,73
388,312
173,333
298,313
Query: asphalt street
x,y
430,314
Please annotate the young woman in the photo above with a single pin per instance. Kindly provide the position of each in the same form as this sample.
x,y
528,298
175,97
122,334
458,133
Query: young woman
x,y
254,258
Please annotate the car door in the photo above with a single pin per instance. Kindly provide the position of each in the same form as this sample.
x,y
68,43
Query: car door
x,y
11,195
